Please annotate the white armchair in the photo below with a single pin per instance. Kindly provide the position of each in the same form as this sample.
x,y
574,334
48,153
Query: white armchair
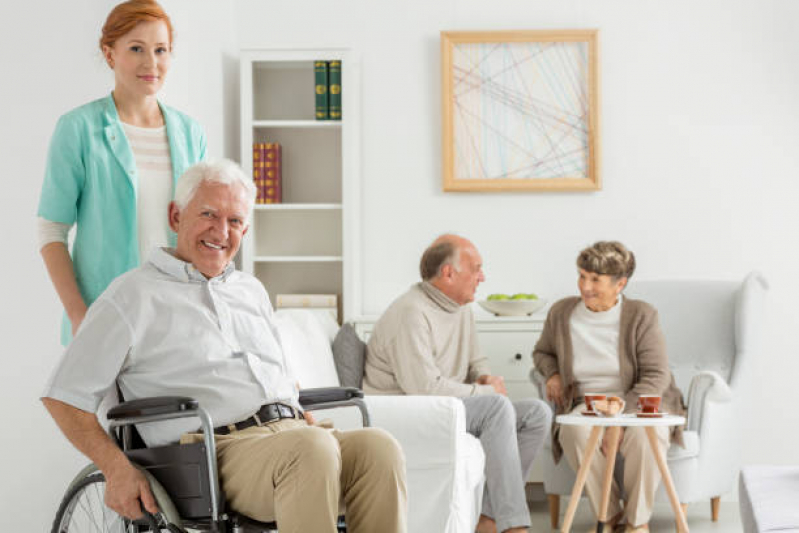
x,y
712,331
444,463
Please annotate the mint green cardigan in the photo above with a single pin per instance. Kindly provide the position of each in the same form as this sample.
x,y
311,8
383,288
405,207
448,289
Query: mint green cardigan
x,y
91,180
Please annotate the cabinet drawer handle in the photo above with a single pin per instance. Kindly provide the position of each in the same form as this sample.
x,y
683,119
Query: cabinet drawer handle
x,y
518,357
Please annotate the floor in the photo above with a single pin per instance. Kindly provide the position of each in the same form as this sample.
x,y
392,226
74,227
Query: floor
x,y
662,520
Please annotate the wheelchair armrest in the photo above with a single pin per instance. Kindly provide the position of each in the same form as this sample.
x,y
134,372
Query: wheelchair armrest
x,y
156,405
311,397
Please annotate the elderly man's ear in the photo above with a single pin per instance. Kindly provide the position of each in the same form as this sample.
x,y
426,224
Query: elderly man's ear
x,y
174,216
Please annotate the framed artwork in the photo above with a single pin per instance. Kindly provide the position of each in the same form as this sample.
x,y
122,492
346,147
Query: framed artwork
x,y
520,110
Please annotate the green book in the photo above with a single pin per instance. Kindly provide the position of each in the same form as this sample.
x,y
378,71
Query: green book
x,y
334,77
320,81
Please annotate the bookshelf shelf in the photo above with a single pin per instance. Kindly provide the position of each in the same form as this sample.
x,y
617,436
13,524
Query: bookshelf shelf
x,y
321,124
309,243
298,259
298,207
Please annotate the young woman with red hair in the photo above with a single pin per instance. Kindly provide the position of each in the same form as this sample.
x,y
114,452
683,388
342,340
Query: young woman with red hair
x,y
113,163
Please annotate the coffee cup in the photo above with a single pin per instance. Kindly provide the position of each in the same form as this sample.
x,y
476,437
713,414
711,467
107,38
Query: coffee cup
x,y
591,397
649,403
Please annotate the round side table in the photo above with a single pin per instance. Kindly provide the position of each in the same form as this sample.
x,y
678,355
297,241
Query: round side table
x,y
614,424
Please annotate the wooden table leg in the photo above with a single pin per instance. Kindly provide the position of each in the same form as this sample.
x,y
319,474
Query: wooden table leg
x,y
667,481
607,481
582,474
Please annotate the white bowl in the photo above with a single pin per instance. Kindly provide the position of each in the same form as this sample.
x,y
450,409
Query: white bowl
x,y
512,307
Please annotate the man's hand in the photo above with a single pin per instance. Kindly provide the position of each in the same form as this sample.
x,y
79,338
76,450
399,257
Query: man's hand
x,y
125,486
309,418
554,391
498,382
605,447
126,489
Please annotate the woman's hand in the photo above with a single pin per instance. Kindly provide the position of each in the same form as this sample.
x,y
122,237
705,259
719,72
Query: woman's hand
x,y
76,319
555,390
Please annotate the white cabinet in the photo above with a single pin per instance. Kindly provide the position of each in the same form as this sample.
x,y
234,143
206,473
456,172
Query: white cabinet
x,y
309,242
508,343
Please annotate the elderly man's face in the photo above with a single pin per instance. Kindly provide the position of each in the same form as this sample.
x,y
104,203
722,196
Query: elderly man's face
x,y
462,283
211,226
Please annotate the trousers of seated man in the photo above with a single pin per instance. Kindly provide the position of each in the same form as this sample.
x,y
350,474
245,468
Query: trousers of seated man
x,y
511,434
296,475
641,473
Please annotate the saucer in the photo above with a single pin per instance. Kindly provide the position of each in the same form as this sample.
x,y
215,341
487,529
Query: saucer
x,y
588,413
650,415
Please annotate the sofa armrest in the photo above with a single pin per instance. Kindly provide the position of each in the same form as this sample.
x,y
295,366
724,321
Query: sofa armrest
x,y
706,386
430,429
157,405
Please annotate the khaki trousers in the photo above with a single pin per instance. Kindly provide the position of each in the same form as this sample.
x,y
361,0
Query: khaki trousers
x,y
296,475
641,474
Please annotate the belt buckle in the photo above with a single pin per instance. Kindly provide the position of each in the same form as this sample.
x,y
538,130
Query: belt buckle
x,y
285,411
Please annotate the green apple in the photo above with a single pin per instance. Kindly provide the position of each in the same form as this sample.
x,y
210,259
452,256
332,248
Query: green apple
x,y
498,297
524,296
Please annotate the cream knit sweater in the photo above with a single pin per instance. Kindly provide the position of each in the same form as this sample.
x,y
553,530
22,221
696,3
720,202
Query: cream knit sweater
x,y
425,343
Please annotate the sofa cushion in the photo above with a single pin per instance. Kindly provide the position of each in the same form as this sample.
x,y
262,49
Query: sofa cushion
x,y
307,348
349,353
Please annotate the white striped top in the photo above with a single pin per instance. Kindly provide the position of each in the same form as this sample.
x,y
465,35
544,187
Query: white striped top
x,y
150,148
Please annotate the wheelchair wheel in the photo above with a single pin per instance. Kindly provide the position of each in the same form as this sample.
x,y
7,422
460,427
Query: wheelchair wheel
x,y
83,510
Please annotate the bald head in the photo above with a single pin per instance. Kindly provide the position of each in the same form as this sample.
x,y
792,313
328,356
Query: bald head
x,y
454,266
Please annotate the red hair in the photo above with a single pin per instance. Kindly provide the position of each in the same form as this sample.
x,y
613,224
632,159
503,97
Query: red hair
x,y
127,15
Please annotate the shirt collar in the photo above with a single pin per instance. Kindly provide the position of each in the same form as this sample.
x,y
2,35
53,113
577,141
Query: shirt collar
x,y
165,261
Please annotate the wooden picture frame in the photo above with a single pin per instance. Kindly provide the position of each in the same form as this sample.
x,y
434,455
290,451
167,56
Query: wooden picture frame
x,y
520,110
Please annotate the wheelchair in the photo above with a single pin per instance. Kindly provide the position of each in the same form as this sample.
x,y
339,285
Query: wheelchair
x,y
183,478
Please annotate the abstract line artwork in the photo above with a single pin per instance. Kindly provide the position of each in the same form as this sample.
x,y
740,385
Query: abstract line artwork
x,y
520,110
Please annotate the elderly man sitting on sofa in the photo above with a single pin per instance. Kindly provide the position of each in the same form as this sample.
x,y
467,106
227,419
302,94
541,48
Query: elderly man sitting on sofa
x,y
187,323
426,343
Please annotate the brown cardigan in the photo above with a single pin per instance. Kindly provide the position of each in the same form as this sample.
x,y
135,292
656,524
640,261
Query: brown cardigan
x,y
643,363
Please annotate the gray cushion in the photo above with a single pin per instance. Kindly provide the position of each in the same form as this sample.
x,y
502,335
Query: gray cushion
x,y
349,353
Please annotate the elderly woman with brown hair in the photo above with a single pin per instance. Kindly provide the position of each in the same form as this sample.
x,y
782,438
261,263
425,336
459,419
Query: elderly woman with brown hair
x,y
604,342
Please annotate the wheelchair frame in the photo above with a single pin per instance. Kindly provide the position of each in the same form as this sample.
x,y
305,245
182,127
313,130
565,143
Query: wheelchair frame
x,y
164,469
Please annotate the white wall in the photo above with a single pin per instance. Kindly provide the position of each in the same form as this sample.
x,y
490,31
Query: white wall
x,y
699,162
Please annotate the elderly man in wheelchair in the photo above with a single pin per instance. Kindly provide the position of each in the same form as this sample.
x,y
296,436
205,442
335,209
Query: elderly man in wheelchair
x,y
187,337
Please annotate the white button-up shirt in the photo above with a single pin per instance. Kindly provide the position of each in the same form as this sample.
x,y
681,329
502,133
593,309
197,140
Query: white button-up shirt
x,y
165,330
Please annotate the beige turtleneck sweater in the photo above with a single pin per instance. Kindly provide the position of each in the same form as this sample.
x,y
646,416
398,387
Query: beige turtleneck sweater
x,y
425,343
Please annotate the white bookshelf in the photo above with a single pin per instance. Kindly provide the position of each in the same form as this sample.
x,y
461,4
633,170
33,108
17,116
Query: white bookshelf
x,y
308,243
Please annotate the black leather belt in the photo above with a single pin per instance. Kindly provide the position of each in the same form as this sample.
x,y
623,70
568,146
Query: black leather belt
x,y
267,413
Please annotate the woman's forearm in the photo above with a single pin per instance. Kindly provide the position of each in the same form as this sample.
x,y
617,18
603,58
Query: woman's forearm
x,y
62,274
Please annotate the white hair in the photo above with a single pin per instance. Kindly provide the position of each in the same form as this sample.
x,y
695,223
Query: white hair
x,y
222,171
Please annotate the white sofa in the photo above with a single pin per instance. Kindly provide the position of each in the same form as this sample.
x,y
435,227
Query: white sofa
x,y
444,463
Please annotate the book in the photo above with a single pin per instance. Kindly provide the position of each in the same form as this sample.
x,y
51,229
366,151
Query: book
x,y
273,175
318,304
267,173
320,88
258,171
306,300
334,89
